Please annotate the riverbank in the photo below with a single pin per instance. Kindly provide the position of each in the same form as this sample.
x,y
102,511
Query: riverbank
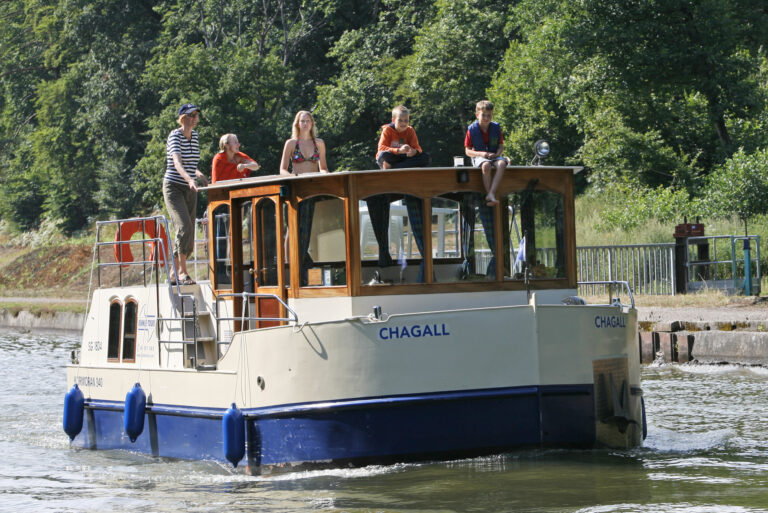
x,y
41,320
35,313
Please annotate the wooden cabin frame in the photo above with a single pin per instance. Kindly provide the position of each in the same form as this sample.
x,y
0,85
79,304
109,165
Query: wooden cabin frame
x,y
350,186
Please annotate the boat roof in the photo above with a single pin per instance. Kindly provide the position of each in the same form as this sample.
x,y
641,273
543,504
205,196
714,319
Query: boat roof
x,y
272,179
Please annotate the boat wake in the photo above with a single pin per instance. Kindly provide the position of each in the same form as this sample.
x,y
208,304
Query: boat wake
x,y
668,441
724,369
343,473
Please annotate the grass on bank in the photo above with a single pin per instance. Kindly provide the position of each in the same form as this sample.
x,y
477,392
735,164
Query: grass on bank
x,y
705,299
590,232
42,308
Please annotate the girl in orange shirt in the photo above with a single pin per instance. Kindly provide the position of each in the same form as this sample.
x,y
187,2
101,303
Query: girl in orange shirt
x,y
230,163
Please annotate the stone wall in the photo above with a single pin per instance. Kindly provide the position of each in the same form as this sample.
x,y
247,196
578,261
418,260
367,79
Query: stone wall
x,y
744,343
47,320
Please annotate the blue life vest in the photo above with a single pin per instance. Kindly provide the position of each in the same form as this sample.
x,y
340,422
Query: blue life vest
x,y
494,134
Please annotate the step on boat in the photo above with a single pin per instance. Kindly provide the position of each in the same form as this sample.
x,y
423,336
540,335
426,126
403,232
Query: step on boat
x,y
353,318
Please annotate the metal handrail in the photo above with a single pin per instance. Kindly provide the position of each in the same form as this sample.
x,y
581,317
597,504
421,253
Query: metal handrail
x,y
195,261
248,295
157,220
242,318
610,284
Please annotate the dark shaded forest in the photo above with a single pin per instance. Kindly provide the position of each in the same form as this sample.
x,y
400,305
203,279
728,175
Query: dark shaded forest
x,y
656,98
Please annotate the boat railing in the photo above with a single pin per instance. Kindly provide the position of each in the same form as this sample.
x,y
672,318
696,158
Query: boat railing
x,y
151,236
198,260
611,284
153,230
244,316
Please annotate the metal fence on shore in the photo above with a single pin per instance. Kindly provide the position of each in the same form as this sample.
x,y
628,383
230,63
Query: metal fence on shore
x,y
648,268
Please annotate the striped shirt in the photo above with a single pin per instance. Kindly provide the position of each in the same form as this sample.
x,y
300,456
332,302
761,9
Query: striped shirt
x,y
190,155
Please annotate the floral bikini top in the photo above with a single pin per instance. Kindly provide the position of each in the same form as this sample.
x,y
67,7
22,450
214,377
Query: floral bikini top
x,y
299,157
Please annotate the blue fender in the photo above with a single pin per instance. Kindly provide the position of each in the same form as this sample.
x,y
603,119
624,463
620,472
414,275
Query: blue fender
x,y
133,416
74,405
233,435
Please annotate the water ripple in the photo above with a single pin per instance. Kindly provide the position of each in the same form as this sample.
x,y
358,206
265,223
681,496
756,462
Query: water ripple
x,y
706,451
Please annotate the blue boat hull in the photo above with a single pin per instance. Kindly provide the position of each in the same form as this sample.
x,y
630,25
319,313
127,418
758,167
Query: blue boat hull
x,y
361,431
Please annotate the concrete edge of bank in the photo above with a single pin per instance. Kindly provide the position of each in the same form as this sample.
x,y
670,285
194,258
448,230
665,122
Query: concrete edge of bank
x,y
43,321
683,342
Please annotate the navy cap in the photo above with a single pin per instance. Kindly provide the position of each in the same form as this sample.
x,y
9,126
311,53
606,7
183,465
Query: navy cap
x,y
187,108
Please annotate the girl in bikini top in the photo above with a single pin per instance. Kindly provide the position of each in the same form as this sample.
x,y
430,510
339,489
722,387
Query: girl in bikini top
x,y
299,157
303,130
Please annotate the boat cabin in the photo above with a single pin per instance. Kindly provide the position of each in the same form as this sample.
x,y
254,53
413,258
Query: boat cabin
x,y
394,239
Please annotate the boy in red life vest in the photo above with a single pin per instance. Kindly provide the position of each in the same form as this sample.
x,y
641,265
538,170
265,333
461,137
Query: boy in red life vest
x,y
484,143
398,144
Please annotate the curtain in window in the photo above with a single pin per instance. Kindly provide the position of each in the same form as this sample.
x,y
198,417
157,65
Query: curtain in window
x,y
378,212
470,202
306,214
416,218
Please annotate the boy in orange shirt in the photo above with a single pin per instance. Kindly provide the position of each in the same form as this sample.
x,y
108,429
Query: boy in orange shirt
x,y
484,142
398,144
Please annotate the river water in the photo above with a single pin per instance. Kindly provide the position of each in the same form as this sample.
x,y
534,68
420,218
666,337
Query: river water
x,y
707,450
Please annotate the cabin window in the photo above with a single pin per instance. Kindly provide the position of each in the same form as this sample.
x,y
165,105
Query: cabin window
x,y
129,331
113,344
462,237
322,242
534,223
266,249
246,238
392,239
223,256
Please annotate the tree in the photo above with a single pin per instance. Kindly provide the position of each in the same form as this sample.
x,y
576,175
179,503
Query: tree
x,y
21,69
359,99
639,92
89,111
676,46
454,58
249,65
527,88
739,186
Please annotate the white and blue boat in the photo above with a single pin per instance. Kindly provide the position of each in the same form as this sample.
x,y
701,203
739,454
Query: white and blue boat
x,y
354,318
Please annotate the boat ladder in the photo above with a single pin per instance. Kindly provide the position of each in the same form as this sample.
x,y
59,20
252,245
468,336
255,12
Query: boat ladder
x,y
200,346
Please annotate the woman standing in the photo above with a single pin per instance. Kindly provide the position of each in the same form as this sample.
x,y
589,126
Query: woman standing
x,y
182,155
230,163
303,151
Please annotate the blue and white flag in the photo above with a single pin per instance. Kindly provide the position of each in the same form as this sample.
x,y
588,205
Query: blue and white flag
x,y
520,254
403,263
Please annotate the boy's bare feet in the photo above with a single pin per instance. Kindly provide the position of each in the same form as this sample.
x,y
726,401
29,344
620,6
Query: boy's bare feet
x,y
491,200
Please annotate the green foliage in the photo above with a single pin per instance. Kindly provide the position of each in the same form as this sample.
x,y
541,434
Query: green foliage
x,y
62,149
739,186
617,154
451,69
358,100
645,95
627,207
